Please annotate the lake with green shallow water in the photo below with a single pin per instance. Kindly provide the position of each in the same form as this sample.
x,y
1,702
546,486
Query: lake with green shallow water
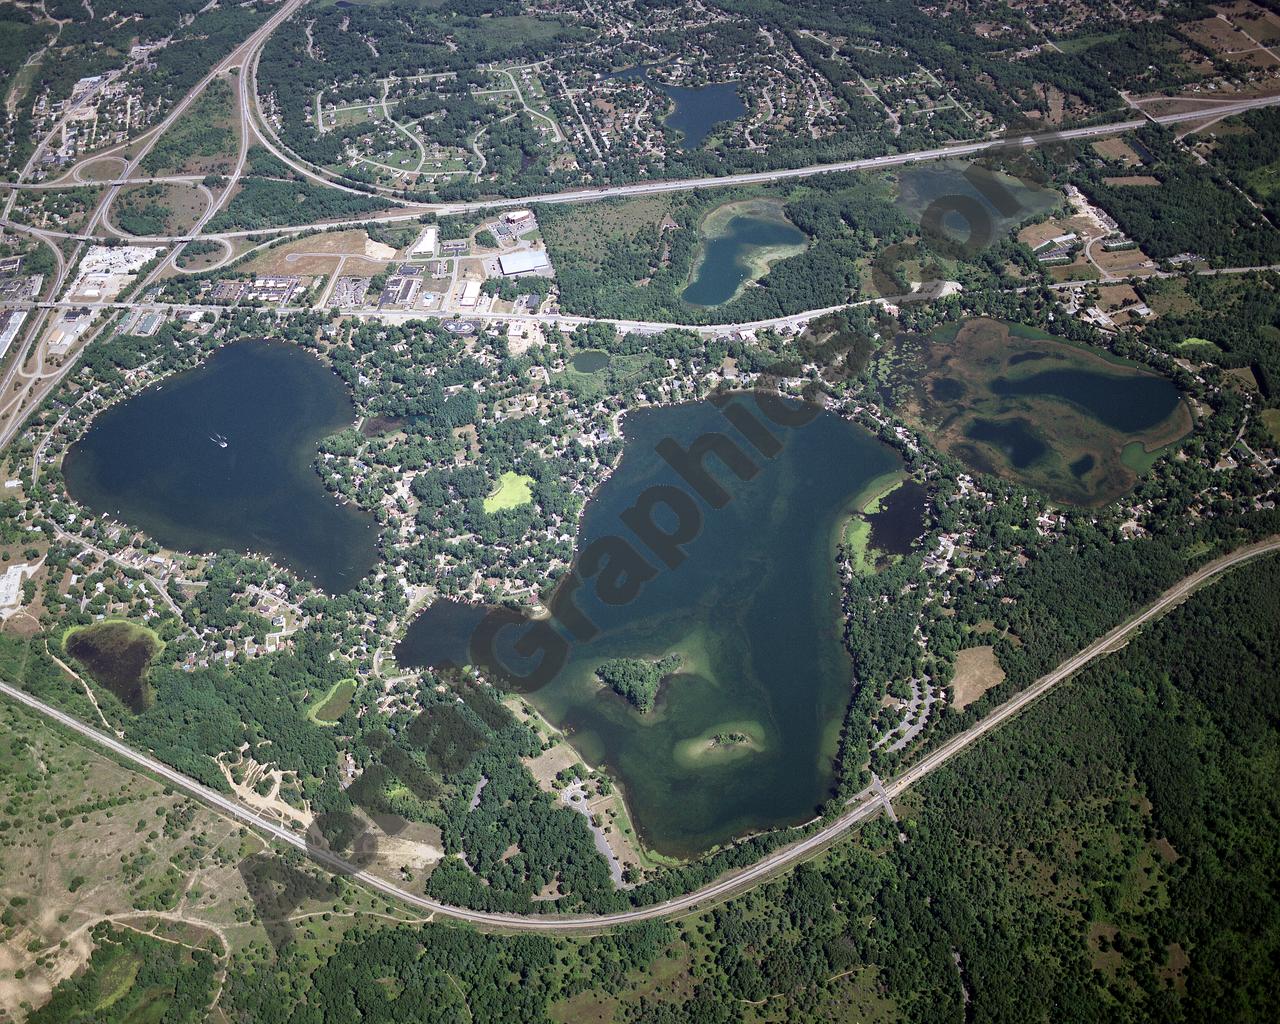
x,y
221,457
726,259
755,612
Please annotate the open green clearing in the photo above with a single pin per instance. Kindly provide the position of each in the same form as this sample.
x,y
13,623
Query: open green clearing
x,y
135,979
158,209
513,490
1271,419
595,232
333,705
615,374
202,140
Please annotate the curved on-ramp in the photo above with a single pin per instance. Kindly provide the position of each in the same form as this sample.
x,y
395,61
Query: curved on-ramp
x,y
864,806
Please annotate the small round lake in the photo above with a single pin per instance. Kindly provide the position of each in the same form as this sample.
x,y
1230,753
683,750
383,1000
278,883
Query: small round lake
x,y
739,249
753,611
696,109
900,520
221,457
116,654
591,360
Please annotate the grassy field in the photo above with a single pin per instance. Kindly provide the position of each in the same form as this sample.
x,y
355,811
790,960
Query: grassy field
x,y
83,837
319,254
158,209
333,705
590,229
202,141
107,168
513,490
1271,419
977,671
612,378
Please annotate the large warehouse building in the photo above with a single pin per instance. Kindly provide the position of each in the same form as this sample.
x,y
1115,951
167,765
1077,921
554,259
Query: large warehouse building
x,y
526,261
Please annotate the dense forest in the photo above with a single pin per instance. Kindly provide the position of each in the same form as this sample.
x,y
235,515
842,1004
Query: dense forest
x,y
1193,211
1249,158
1233,323
636,679
262,202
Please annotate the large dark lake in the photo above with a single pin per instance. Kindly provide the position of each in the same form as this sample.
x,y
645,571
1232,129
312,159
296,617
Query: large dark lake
x,y
222,457
755,613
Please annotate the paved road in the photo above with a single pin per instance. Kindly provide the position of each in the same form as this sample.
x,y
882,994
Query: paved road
x,y
966,149
864,806
405,315
18,405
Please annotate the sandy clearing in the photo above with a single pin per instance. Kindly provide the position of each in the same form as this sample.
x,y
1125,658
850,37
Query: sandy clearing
x,y
977,671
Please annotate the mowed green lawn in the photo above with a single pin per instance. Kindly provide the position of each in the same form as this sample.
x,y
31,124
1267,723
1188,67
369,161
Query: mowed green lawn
x,y
513,490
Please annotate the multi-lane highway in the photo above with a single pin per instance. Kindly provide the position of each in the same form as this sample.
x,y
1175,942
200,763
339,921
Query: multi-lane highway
x,y
585,195
864,806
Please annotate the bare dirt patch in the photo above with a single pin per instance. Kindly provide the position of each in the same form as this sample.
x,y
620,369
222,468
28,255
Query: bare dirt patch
x,y
1037,234
550,763
1117,150
252,775
319,254
1128,180
1250,17
1121,261
105,168
1117,296
977,671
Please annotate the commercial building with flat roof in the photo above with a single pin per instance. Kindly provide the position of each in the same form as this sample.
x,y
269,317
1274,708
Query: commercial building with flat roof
x,y
10,324
425,246
526,261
